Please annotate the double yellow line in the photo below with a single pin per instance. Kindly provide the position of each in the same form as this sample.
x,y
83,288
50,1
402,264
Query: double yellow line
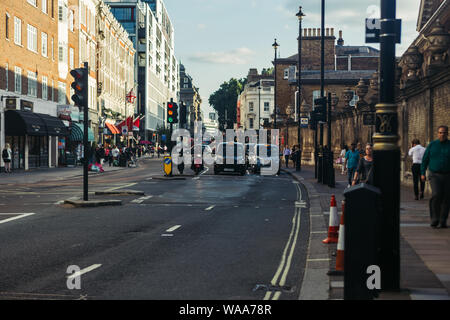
x,y
286,259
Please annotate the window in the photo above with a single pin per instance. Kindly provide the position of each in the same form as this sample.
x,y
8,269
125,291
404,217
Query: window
x,y
32,84
18,80
53,51
71,58
17,31
71,20
62,53
32,2
44,88
266,106
44,44
44,6
61,93
250,106
7,26
186,80
32,38
251,123
6,77
286,74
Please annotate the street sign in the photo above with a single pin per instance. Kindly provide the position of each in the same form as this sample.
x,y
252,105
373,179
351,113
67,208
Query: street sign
x,y
168,165
304,122
125,131
373,28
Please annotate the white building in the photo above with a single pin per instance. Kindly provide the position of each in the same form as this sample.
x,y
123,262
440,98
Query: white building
x,y
256,104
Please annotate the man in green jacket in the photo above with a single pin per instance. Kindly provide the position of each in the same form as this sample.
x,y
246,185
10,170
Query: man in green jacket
x,y
437,160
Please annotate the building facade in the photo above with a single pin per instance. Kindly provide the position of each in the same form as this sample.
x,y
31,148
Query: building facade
x,y
29,79
157,71
341,79
115,74
256,102
189,94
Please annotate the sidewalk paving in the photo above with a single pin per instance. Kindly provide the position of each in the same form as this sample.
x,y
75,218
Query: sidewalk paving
x,y
424,252
54,174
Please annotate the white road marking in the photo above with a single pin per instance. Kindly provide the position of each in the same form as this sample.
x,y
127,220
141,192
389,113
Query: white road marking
x,y
195,178
122,186
19,216
209,208
173,228
166,235
86,270
318,260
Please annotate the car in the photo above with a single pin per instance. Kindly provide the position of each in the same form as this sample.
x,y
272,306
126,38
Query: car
x,y
237,159
258,161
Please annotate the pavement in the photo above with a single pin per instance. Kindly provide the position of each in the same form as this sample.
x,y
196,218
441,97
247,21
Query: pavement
x,y
424,251
55,173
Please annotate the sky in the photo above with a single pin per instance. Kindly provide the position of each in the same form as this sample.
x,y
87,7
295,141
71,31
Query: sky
x,y
217,40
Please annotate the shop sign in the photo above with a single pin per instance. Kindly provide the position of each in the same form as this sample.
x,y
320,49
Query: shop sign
x,y
26,105
11,104
63,111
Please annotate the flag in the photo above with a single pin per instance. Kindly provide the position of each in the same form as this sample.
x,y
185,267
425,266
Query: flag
x,y
130,123
136,124
120,125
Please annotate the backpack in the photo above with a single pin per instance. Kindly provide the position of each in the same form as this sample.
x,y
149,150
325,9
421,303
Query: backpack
x,y
5,154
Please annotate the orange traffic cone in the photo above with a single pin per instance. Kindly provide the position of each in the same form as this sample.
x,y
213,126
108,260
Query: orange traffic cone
x,y
340,246
333,227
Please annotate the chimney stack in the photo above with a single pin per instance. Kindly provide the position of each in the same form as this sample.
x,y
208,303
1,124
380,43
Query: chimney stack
x,y
340,41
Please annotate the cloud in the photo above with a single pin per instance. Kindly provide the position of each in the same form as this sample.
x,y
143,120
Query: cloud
x,y
236,56
201,26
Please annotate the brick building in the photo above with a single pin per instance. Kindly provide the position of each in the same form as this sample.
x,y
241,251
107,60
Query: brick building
x,y
28,82
345,67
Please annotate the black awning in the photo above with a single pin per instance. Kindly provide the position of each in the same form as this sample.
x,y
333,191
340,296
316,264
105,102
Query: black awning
x,y
55,127
20,123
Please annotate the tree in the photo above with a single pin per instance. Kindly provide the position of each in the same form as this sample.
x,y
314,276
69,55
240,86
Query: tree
x,y
224,101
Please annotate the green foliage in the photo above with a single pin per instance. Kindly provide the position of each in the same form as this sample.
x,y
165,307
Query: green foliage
x,y
267,72
225,99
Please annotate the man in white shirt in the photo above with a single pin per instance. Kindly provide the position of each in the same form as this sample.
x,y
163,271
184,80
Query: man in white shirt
x,y
417,152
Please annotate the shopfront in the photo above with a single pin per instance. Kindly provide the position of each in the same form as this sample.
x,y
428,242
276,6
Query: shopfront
x,y
33,138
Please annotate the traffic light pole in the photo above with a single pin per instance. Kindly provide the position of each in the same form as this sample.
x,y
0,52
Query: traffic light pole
x,y
322,90
86,139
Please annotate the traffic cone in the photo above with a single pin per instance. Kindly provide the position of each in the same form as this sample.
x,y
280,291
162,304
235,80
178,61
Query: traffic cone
x,y
341,242
333,227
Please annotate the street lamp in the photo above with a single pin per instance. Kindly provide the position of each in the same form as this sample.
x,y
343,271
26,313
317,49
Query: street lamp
x,y
259,105
275,45
300,16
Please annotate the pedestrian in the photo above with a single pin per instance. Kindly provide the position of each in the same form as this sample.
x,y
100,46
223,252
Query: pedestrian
x,y
342,159
158,150
7,157
102,154
287,154
364,171
417,152
108,155
437,160
360,150
352,159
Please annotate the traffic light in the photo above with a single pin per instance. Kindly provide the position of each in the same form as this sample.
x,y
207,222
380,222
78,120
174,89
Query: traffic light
x,y
182,115
320,109
172,113
80,85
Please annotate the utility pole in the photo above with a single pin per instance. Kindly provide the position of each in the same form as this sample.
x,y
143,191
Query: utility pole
x,y
322,91
298,164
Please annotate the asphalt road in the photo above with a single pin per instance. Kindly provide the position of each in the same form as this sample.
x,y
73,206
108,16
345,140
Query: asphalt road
x,y
207,237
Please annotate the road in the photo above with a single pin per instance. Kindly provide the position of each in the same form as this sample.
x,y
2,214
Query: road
x,y
225,237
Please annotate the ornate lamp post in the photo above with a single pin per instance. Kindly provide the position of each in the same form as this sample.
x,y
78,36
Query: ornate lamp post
x,y
275,46
298,163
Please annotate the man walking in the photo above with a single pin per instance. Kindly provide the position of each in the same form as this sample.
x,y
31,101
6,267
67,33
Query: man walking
x,y
437,160
417,152
287,154
352,158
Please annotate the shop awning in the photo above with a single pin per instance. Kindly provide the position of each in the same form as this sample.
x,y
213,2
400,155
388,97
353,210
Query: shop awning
x,y
21,123
55,127
112,128
77,133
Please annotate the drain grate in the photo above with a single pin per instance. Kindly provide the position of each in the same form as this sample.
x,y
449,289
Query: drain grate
x,y
265,287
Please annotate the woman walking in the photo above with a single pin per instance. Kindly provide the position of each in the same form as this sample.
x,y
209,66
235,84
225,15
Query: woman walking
x,y
7,157
364,172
